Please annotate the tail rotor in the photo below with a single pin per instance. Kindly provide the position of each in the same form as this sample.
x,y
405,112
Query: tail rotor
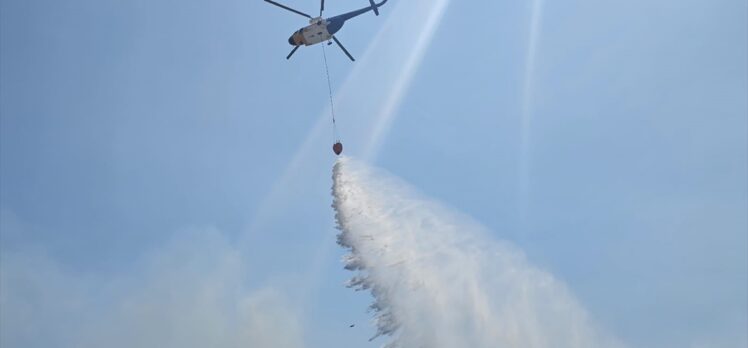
x,y
374,7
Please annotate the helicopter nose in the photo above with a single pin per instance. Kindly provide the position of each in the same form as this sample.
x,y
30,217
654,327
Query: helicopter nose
x,y
290,41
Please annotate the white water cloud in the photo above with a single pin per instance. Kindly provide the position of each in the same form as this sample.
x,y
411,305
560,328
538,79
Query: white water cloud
x,y
439,280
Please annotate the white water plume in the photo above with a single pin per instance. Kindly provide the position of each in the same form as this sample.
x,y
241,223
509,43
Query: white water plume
x,y
439,280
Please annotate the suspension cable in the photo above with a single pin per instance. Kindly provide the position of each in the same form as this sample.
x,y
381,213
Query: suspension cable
x,y
336,138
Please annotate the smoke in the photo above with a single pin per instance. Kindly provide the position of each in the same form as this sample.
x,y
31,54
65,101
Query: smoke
x,y
439,280
188,293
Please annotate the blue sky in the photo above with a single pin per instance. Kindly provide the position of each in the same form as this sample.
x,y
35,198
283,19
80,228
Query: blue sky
x,y
606,139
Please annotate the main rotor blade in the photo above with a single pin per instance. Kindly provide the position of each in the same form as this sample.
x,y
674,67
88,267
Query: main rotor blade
x,y
288,8
292,52
321,7
343,48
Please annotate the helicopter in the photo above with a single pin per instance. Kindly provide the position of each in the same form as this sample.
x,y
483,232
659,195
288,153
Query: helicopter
x,y
321,29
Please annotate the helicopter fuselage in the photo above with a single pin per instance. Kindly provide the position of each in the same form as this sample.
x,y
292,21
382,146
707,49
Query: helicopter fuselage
x,y
318,30
321,29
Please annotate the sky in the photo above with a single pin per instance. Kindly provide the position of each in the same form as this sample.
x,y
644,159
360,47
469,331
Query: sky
x,y
165,173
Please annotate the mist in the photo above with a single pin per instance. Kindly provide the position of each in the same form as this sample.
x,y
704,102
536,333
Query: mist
x,y
191,292
439,279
